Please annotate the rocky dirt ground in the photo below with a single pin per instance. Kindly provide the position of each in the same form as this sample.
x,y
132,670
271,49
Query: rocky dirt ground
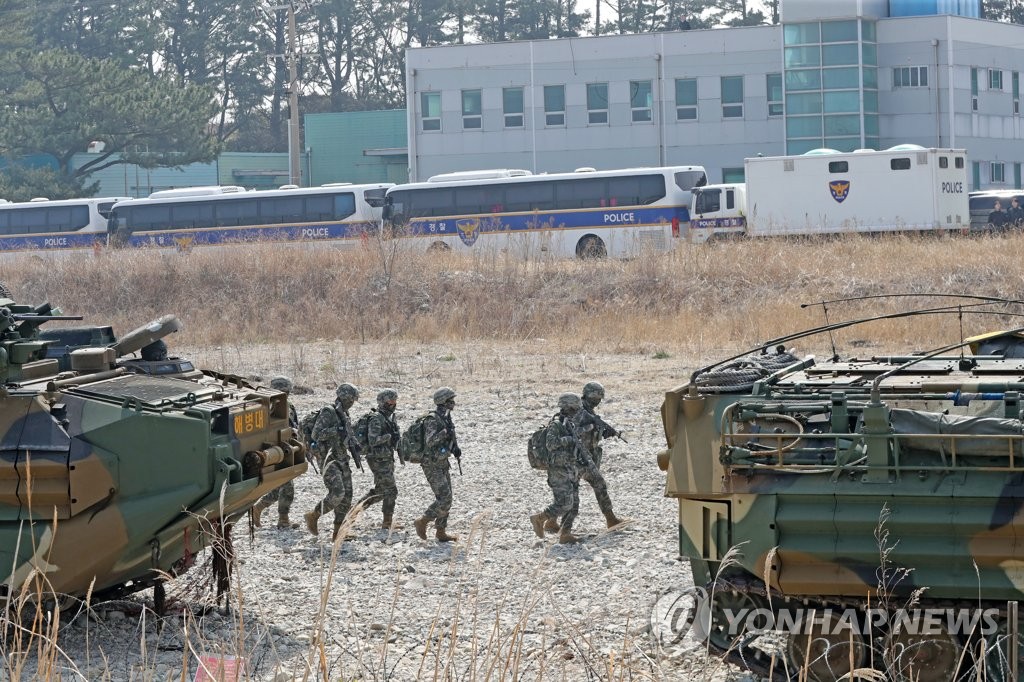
x,y
498,604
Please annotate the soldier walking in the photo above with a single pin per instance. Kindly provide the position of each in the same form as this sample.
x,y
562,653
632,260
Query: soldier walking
x,y
382,439
333,438
439,442
284,495
594,430
566,458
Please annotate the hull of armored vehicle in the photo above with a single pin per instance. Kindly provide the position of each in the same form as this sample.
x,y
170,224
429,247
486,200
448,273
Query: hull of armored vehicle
x,y
834,489
112,481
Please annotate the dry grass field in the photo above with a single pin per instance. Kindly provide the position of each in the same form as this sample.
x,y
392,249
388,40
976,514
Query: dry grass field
x,y
509,335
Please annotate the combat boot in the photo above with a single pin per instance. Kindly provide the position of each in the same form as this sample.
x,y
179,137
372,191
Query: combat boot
x,y
337,529
443,536
311,519
538,521
612,520
284,523
389,524
567,538
257,512
551,525
421,527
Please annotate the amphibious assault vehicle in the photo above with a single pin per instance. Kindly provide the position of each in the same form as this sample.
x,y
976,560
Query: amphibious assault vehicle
x,y
857,514
112,479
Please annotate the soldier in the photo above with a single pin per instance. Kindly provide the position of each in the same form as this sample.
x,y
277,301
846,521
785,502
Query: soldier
x,y
332,437
439,442
567,456
594,430
285,495
382,439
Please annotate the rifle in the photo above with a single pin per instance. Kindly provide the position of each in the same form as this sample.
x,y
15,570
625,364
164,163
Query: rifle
x,y
351,443
454,448
396,436
607,430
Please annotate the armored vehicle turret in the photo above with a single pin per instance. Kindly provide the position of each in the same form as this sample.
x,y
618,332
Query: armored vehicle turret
x,y
110,480
856,513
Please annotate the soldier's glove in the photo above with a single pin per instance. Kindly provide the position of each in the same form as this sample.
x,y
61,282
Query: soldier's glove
x,y
457,451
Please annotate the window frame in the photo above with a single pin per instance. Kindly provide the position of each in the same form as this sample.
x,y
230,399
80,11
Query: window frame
x,y
473,120
425,96
685,106
776,107
508,114
904,77
598,111
645,112
731,108
995,79
1001,166
554,118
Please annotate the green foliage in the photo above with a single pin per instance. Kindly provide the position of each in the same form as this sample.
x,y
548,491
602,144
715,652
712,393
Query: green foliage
x,y
59,102
20,183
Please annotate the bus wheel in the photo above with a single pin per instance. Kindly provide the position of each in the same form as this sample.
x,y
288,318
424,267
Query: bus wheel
x,y
438,247
591,246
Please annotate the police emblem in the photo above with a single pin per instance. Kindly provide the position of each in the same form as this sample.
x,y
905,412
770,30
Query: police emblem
x,y
468,229
840,189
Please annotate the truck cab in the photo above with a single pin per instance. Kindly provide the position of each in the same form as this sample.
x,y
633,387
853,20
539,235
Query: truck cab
x,y
718,210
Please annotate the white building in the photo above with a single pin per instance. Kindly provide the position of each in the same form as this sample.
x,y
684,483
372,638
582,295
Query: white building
x,y
845,74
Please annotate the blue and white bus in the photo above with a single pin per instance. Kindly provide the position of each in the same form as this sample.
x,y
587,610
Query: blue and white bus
x,y
586,213
202,216
44,225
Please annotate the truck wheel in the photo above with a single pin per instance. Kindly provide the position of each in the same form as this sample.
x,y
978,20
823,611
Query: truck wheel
x,y
591,246
439,247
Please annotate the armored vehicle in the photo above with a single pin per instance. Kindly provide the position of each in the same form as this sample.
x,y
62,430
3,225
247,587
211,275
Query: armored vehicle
x,y
112,481
855,514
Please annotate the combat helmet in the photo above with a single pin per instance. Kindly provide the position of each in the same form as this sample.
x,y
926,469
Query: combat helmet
x,y
282,383
387,396
568,401
443,395
347,392
592,388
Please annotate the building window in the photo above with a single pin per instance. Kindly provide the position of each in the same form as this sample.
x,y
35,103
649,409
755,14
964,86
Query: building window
x,y
512,106
995,79
640,100
775,107
597,102
554,105
730,175
732,96
686,99
1016,176
910,77
472,113
974,89
998,172
430,110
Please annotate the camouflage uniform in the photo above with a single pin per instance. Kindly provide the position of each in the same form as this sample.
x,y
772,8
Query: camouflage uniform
x,y
567,459
331,435
382,438
591,436
439,441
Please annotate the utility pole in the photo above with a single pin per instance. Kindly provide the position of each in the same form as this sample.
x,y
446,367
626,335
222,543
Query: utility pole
x,y
294,144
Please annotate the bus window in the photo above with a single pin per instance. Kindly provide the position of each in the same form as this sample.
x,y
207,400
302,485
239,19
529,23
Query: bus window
x,y
588,193
58,219
374,198
344,205
900,164
320,207
708,201
280,210
636,191
471,200
191,215
730,201
240,212
150,217
103,208
687,180
521,196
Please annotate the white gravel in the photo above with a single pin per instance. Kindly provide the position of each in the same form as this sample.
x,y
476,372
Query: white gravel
x,y
499,604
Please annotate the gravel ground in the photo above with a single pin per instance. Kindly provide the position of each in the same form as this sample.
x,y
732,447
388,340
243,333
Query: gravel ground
x,y
498,604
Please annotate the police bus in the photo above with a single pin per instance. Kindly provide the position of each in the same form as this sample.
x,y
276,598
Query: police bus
x,y
586,213
42,224
201,216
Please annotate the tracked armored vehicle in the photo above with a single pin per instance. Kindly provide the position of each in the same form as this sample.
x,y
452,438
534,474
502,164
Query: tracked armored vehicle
x,y
112,481
855,514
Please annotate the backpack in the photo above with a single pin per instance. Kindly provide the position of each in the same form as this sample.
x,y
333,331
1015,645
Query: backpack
x,y
362,431
306,427
412,443
537,448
